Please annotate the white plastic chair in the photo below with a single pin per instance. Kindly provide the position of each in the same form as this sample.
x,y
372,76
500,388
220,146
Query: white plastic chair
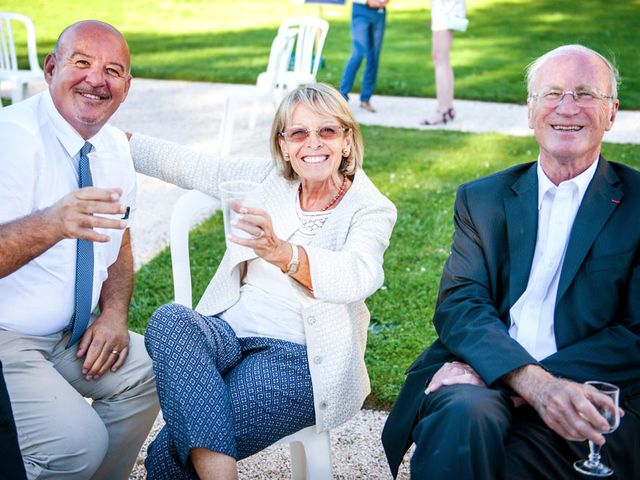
x,y
17,79
310,451
311,35
308,35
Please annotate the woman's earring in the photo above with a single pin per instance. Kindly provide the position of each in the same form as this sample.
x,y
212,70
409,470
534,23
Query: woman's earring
x,y
345,152
286,156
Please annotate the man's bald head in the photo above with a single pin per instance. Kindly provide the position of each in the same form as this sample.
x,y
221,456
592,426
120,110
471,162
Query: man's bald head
x,y
90,27
88,74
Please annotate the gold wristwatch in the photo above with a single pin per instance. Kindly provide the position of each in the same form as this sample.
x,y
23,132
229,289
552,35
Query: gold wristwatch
x,y
295,260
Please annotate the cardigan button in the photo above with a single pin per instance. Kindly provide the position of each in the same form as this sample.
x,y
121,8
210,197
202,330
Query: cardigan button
x,y
323,405
311,320
317,360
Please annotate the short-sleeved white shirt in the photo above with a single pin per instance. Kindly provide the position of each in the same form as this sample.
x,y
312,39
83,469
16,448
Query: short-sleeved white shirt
x,y
39,157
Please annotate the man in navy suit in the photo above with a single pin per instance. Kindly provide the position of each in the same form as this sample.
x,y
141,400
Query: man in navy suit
x,y
541,293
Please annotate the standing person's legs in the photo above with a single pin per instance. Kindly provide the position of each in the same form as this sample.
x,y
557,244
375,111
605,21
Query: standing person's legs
x,y
377,22
10,457
126,402
359,27
460,434
60,434
441,53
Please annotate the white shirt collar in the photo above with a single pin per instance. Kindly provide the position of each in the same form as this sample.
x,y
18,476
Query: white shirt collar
x,y
582,181
69,138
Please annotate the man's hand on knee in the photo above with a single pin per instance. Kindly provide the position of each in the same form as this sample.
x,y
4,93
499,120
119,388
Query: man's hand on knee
x,y
452,373
105,345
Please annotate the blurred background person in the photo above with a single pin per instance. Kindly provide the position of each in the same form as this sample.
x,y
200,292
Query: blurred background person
x,y
368,20
446,16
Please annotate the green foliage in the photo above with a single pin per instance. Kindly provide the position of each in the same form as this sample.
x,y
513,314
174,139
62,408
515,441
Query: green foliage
x,y
419,171
222,41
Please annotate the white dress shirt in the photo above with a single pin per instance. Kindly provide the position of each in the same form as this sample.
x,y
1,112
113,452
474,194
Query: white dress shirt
x,y
38,166
532,316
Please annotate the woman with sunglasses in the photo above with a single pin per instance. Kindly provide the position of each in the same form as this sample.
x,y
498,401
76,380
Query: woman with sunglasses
x,y
277,342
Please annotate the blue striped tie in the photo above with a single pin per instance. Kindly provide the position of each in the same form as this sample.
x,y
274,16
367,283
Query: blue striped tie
x,y
84,262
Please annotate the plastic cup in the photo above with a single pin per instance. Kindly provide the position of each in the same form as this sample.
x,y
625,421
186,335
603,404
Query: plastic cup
x,y
234,195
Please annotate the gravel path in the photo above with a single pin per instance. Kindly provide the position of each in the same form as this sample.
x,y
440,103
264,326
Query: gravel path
x,y
190,113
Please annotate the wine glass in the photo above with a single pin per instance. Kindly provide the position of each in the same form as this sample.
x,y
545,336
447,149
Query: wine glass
x,y
593,466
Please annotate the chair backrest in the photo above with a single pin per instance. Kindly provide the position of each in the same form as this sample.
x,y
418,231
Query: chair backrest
x,y
8,58
311,35
279,56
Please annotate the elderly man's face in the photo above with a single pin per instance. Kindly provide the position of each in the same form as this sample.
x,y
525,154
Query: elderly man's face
x,y
88,76
568,132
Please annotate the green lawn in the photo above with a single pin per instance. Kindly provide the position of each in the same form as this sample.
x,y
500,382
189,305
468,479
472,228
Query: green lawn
x,y
224,41
422,183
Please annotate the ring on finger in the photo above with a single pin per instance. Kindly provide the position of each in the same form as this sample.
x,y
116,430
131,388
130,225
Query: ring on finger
x,y
115,352
260,235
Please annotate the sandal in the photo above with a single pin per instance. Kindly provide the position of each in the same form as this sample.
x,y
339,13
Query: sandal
x,y
447,116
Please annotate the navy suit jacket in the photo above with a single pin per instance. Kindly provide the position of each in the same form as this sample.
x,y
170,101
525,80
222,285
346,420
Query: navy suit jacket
x,y
597,313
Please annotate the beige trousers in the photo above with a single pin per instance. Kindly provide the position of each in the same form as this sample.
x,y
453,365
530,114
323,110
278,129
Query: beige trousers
x,y
61,435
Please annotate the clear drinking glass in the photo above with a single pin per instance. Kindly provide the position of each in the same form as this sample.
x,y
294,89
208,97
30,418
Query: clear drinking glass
x,y
236,194
592,466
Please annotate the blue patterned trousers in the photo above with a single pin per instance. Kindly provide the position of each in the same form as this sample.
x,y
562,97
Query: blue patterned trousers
x,y
230,395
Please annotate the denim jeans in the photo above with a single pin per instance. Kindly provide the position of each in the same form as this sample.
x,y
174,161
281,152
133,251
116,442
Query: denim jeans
x,y
367,30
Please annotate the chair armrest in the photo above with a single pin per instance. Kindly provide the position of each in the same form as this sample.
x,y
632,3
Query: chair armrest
x,y
182,215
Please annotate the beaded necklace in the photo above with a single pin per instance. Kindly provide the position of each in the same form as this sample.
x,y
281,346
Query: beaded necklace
x,y
334,199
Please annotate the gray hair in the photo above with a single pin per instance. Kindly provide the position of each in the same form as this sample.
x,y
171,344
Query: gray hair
x,y
324,100
533,67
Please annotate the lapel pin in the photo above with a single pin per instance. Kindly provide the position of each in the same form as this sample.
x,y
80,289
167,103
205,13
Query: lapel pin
x,y
615,201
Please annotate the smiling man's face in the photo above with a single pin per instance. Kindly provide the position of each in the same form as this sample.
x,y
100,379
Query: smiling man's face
x,y
569,134
88,75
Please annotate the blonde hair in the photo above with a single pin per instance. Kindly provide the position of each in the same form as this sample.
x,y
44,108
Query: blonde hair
x,y
322,99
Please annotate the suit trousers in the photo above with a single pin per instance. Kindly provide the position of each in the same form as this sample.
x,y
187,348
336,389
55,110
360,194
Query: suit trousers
x,y
470,432
61,434
10,458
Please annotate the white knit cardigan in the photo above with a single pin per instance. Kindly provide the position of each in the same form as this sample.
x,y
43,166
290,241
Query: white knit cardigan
x,y
345,259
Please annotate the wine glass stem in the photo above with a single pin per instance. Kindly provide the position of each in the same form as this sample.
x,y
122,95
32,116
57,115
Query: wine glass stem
x,y
594,453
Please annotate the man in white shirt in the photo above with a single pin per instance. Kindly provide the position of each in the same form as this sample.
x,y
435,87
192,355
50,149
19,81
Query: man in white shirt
x,y
52,358
541,293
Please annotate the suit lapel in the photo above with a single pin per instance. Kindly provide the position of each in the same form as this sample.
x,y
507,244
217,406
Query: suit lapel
x,y
599,202
521,211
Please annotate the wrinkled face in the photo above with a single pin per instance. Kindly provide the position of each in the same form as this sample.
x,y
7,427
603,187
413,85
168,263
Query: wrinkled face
x,y
568,132
317,157
88,76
